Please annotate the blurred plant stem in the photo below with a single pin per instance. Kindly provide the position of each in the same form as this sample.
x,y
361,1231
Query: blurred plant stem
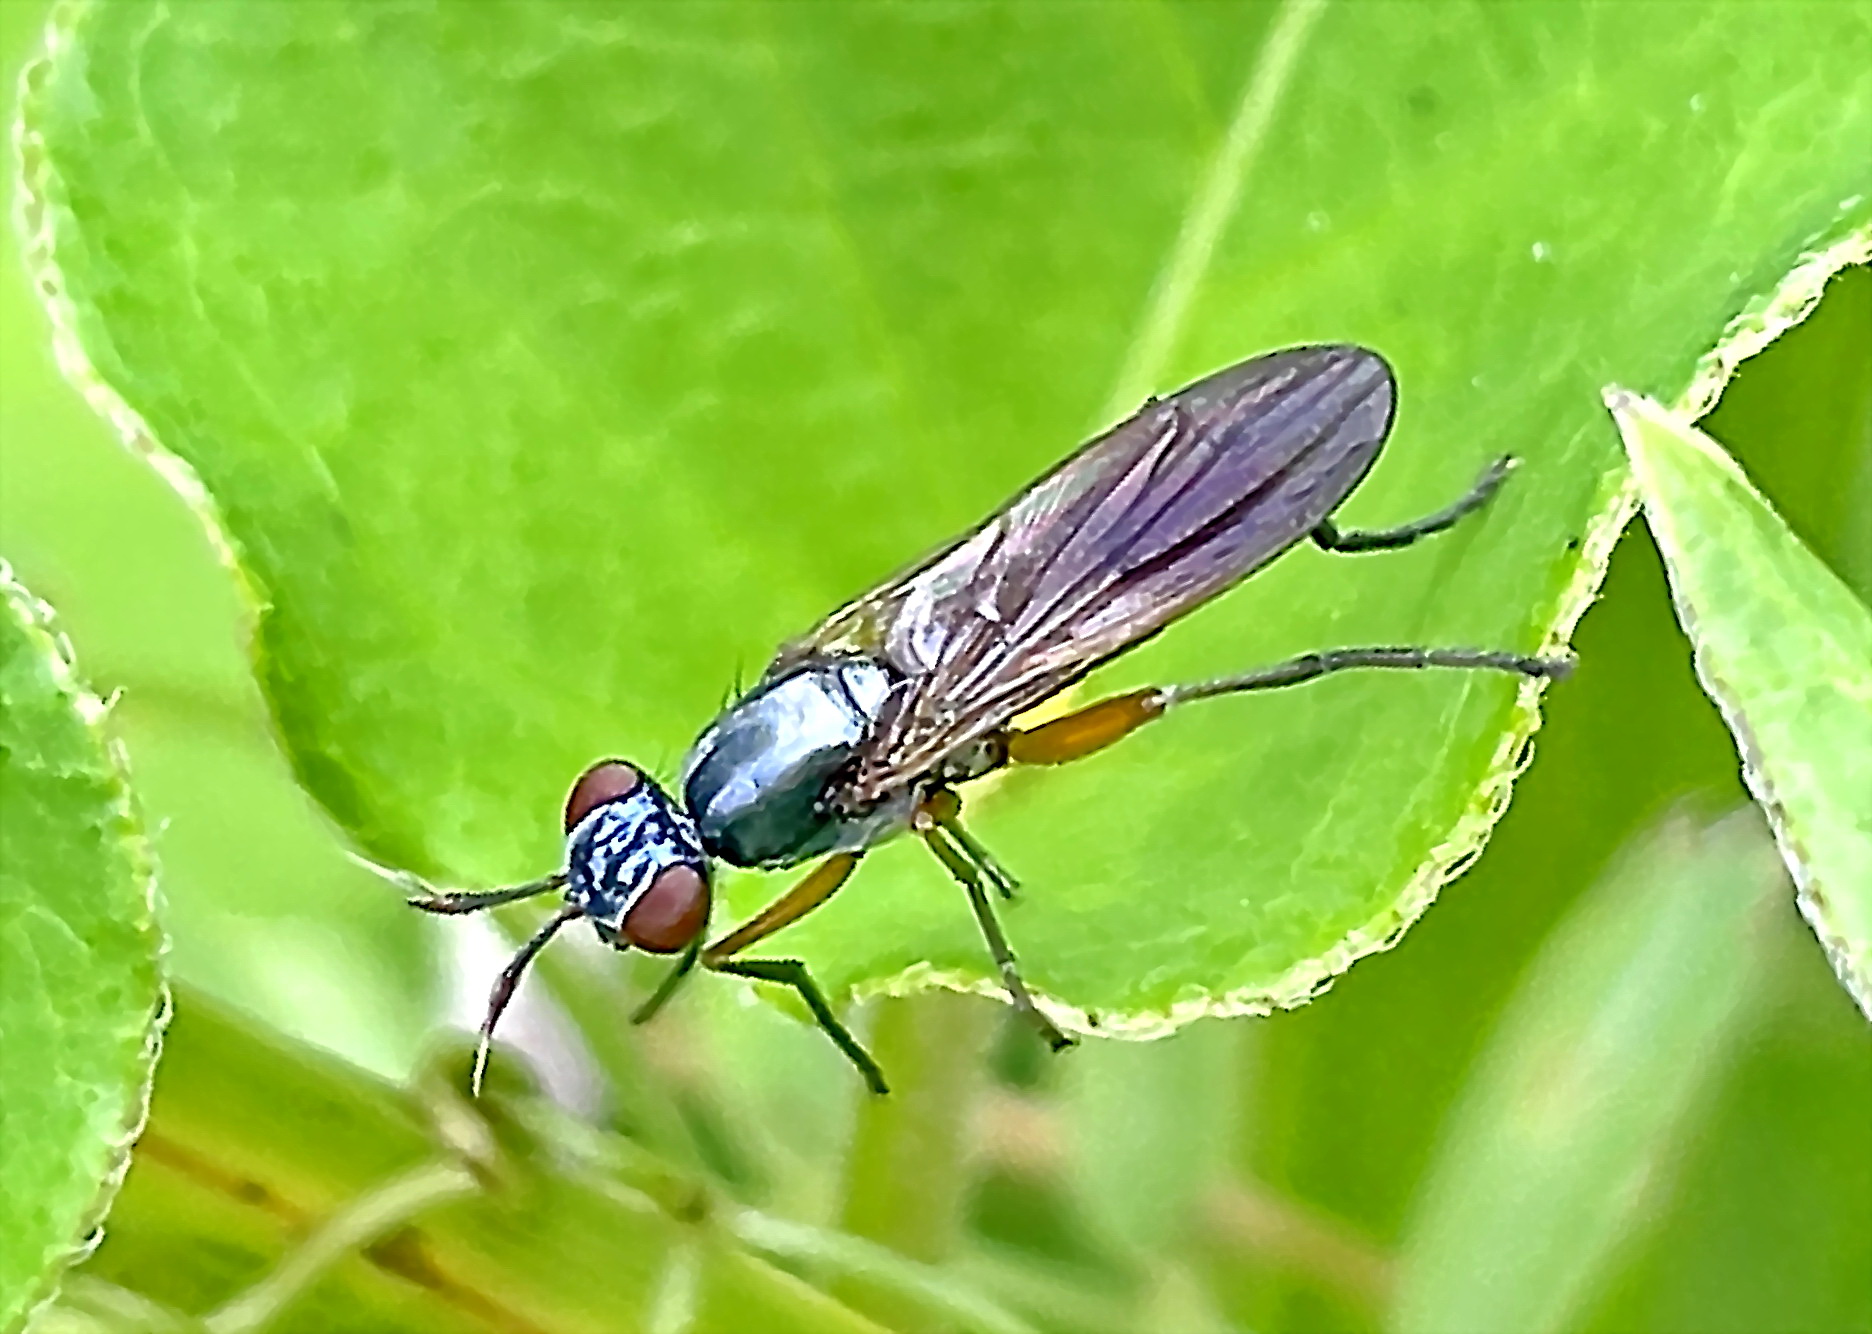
x,y
290,1178
908,1170
361,1222
937,1292
1244,1222
91,1306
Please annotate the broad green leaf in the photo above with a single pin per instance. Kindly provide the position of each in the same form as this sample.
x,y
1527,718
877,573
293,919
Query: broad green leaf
x,y
1785,650
542,367
1567,1132
81,996
260,905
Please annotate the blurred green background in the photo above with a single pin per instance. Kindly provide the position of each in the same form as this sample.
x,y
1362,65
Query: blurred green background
x,y
1252,1175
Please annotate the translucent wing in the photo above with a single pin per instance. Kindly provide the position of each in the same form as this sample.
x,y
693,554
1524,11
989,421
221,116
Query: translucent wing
x,y
1139,527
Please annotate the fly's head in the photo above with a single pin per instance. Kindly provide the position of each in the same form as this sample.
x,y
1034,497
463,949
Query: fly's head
x,y
634,861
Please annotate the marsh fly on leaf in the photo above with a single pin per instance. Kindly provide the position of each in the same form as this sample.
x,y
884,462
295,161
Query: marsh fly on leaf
x,y
869,725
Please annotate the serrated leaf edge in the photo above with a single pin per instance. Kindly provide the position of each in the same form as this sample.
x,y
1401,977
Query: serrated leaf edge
x,y
41,626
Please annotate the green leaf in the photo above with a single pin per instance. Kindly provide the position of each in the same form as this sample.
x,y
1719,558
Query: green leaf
x,y
1785,650
542,368
1567,1134
81,996
259,903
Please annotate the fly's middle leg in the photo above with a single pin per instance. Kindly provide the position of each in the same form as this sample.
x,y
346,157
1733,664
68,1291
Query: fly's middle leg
x,y
942,809
792,973
936,822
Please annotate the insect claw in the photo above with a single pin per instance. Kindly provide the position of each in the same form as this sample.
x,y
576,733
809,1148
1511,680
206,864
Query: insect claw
x,y
479,1069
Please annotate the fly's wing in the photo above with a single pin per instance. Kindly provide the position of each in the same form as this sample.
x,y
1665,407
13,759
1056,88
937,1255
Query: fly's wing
x,y
1141,526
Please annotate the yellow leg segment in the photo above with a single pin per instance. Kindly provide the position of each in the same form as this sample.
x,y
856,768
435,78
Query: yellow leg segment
x,y
820,884
1086,730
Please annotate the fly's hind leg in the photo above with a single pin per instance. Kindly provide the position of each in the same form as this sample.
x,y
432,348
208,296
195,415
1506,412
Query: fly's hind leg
x,y
1085,731
937,821
1330,536
1096,726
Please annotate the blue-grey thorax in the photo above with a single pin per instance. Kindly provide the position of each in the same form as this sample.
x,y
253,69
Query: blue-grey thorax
x,y
755,780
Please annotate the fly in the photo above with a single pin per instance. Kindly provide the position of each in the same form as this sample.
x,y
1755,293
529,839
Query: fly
x,y
865,727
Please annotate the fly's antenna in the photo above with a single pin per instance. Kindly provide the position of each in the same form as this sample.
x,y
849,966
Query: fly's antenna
x,y
452,903
505,985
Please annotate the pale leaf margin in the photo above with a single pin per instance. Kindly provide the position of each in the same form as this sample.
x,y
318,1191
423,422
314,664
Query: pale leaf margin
x,y
42,632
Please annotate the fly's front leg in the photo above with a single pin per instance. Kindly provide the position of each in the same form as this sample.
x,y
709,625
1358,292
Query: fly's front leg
x,y
506,984
813,889
818,885
936,821
667,987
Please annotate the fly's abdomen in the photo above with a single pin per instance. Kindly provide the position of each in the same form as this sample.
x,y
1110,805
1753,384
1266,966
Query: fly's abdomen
x,y
755,779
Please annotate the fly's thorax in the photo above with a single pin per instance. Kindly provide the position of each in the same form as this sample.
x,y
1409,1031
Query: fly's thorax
x,y
973,759
756,780
639,851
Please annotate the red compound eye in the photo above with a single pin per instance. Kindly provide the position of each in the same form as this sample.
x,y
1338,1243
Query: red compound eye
x,y
671,913
605,781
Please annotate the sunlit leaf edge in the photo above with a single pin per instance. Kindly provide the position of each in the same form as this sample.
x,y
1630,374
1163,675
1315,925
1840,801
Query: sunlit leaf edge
x,y
38,621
